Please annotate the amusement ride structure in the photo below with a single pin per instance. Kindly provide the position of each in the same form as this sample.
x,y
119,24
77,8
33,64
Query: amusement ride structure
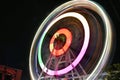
x,y
73,42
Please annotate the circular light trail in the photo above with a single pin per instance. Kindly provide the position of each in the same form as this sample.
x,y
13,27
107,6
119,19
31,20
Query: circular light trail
x,y
35,58
81,53
68,35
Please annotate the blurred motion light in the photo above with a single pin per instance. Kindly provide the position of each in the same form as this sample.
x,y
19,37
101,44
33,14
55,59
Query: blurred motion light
x,y
75,40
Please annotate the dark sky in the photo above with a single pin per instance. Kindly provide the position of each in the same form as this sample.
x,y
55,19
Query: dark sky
x,y
20,20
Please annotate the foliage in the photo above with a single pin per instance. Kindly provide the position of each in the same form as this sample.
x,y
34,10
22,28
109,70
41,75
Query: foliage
x,y
113,72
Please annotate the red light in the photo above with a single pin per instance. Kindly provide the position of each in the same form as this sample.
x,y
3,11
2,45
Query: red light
x,y
67,39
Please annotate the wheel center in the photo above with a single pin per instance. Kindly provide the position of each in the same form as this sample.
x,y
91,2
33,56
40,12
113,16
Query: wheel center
x,y
60,42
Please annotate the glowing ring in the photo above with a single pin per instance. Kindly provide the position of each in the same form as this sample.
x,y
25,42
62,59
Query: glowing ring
x,y
108,37
61,51
82,52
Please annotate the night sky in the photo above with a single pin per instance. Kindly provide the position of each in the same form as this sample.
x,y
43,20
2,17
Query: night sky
x,y
20,20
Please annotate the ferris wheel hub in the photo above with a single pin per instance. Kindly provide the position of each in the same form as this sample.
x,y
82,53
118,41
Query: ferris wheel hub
x,y
60,42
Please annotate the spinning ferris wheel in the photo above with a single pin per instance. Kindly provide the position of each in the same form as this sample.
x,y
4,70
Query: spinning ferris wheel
x,y
73,41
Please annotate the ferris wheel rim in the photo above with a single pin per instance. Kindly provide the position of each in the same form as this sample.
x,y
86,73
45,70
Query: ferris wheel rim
x,y
108,41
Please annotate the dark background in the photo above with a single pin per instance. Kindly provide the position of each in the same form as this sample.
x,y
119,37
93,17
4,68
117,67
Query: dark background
x,y
20,20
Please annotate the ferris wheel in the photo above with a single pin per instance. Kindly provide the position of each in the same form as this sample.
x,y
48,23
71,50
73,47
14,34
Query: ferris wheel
x,y
73,42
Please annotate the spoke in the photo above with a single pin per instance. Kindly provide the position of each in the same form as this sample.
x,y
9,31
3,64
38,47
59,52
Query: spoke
x,y
83,69
56,66
48,61
79,63
72,65
58,61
